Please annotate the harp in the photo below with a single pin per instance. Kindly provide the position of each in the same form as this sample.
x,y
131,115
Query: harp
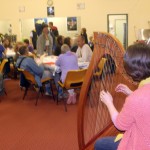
x,y
93,117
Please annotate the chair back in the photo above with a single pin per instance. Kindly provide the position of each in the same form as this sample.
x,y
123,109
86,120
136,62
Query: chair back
x,y
100,67
28,75
74,78
2,65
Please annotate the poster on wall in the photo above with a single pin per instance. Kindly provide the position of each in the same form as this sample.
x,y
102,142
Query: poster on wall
x,y
71,23
38,24
50,11
40,20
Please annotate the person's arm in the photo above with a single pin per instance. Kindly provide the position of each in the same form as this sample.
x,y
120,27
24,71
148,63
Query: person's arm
x,y
4,52
34,67
85,53
51,43
81,55
31,36
40,49
107,99
123,120
58,61
78,53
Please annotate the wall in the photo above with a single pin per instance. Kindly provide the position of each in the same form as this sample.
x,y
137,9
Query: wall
x,y
93,17
28,24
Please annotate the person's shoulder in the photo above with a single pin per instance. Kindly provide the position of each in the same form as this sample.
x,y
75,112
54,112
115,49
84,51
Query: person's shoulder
x,y
1,47
78,49
29,59
40,36
140,94
30,47
20,58
73,54
54,28
86,46
143,90
60,56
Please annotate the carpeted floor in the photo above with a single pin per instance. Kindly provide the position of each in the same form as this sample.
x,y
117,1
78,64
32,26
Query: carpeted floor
x,y
24,126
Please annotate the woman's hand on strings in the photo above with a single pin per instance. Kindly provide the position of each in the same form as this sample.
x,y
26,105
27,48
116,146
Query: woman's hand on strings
x,y
123,89
106,98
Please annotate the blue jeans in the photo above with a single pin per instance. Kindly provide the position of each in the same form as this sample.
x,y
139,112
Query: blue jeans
x,y
56,79
106,143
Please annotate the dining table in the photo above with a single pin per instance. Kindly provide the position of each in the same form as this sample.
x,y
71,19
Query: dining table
x,y
49,63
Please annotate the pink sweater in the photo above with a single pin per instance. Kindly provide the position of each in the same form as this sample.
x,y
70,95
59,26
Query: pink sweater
x,y
134,119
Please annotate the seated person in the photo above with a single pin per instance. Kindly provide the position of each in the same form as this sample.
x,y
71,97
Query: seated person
x,y
16,49
68,41
9,49
2,51
67,61
134,118
84,52
33,38
7,65
30,65
91,43
74,46
7,43
30,47
60,41
84,34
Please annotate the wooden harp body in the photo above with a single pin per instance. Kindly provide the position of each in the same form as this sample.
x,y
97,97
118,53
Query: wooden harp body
x,y
93,117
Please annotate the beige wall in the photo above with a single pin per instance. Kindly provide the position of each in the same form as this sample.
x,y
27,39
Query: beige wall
x,y
93,17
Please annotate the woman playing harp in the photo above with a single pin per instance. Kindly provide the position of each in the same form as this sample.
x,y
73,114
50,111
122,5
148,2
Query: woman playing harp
x,y
134,117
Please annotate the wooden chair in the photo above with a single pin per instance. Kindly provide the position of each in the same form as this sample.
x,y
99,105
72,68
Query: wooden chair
x,y
100,67
30,78
2,66
2,72
13,68
74,80
2,87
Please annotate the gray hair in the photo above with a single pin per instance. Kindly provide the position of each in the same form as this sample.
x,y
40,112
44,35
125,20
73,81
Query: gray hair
x,y
65,48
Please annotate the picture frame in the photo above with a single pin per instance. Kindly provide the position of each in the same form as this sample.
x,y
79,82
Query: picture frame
x,y
50,11
40,20
38,24
71,23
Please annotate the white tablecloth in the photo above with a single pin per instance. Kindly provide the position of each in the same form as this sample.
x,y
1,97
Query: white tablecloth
x,y
83,65
10,53
49,63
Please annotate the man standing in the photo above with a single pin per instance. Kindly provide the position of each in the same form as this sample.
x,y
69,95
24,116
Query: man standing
x,y
54,33
53,29
84,52
33,38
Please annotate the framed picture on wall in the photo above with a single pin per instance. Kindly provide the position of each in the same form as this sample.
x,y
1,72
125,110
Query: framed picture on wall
x,y
71,23
40,20
50,11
